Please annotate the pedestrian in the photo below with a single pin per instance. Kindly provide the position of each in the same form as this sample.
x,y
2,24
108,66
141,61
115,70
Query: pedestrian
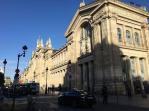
x,y
53,89
128,89
30,103
105,94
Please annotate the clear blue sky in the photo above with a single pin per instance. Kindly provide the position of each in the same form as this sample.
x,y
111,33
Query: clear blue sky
x,y
23,21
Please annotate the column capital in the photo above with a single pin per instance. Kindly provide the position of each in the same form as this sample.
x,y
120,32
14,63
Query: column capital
x,y
144,25
103,16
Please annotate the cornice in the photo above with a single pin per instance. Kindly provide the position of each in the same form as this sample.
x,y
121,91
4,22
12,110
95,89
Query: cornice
x,y
71,23
59,51
108,14
89,6
104,15
122,5
145,25
58,66
131,8
133,48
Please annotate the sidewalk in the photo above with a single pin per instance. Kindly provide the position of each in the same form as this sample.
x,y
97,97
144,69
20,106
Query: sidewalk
x,y
136,100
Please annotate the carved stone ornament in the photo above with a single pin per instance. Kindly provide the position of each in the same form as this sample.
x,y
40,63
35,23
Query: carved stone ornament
x,y
103,15
144,25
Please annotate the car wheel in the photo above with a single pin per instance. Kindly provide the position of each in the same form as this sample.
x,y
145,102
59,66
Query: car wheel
x,y
74,104
60,102
90,106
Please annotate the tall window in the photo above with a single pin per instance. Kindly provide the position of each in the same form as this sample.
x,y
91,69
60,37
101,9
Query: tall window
x,y
142,67
137,39
133,66
124,67
128,37
86,39
119,34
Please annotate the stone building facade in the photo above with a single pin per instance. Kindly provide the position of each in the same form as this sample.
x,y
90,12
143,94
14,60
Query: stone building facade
x,y
107,43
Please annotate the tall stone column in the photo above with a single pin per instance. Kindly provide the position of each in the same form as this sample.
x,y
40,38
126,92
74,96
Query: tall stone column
x,y
81,76
146,38
97,56
84,77
139,72
91,76
106,45
129,75
138,67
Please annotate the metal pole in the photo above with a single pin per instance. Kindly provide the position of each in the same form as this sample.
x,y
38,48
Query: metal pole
x,y
69,74
4,70
46,80
17,75
4,62
69,82
14,86
18,61
4,76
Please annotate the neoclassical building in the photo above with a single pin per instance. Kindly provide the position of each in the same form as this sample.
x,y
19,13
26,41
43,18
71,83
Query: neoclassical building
x,y
107,43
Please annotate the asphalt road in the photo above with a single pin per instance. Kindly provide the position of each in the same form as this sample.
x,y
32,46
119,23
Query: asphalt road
x,y
49,103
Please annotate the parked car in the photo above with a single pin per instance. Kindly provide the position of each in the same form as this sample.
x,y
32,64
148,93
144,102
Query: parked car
x,y
1,94
76,98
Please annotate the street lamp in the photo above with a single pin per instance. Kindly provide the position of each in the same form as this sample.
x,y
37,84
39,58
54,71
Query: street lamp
x,y
46,80
69,74
16,77
24,48
4,62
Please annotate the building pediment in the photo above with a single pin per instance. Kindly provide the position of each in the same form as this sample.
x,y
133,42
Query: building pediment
x,y
82,11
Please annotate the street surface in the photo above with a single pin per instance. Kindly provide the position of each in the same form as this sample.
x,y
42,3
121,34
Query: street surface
x,y
49,103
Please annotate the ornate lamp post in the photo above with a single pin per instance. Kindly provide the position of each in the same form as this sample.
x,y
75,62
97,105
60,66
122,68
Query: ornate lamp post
x,y
69,74
16,77
4,62
46,80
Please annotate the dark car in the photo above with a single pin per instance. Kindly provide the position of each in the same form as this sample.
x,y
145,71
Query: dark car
x,y
76,98
1,94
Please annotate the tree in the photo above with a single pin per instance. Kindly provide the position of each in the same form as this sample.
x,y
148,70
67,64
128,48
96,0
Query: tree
x,y
1,79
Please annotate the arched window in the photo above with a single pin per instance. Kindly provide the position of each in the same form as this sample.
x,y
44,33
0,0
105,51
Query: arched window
x,y
137,39
119,34
128,37
86,38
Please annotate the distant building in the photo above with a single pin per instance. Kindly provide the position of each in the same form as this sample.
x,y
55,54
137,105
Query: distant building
x,y
107,43
8,81
1,70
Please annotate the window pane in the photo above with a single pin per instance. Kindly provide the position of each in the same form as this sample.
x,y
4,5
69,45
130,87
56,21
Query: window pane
x,y
85,41
119,35
133,67
128,37
137,39
142,67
